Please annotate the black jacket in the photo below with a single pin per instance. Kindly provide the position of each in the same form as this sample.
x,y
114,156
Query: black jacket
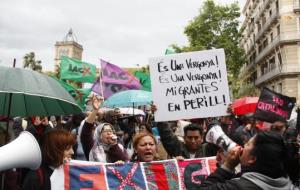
x,y
38,179
224,180
175,147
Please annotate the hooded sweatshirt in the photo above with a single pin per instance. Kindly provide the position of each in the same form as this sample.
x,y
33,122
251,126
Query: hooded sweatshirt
x,y
267,183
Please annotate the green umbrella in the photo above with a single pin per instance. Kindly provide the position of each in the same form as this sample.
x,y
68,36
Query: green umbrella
x,y
25,92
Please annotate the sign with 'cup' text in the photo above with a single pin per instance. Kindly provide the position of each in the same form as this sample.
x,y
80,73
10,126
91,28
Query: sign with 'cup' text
x,y
190,85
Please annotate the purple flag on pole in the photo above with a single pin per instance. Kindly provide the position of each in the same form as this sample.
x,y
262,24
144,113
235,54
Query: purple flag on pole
x,y
109,88
114,79
115,75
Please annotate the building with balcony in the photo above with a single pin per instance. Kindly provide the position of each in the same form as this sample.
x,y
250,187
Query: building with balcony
x,y
271,40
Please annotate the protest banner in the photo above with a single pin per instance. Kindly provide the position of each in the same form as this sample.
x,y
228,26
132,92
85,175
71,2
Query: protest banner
x,y
76,70
190,85
161,175
273,106
193,172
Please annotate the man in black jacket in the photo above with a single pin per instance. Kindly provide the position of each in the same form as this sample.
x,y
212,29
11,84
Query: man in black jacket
x,y
192,146
263,166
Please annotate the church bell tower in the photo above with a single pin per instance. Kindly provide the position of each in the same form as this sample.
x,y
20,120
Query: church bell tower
x,y
68,47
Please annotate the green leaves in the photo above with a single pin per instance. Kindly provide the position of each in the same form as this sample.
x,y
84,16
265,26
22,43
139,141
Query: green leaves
x,y
217,26
30,62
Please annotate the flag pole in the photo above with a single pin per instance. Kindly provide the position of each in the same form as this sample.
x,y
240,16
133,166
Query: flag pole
x,y
100,81
133,108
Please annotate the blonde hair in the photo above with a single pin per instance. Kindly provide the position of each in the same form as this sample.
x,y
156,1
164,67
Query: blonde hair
x,y
139,136
135,142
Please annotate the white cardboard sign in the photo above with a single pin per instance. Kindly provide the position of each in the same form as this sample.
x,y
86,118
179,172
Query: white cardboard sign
x,y
189,85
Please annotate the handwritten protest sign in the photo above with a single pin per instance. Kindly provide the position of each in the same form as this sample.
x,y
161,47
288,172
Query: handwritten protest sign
x,y
190,85
273,106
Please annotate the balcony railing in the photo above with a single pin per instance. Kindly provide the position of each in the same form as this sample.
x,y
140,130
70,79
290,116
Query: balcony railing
x,y
290,36
261,10
297,5
272,73
283,37
267,49
267,25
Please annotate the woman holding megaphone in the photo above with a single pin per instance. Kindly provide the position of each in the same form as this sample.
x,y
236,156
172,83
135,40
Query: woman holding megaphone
x,y
264,163
101,144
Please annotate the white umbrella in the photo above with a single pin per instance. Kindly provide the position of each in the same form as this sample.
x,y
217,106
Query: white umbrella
x,y
131,111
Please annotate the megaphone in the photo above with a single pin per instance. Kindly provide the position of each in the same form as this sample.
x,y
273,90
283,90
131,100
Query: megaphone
x,y
23,152
217,136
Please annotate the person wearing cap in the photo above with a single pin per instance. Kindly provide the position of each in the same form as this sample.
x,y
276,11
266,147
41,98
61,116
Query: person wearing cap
x,y
100,144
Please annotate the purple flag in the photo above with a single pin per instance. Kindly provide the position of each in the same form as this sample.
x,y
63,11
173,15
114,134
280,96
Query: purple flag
x,y
97,88
114,79
115,75
109,89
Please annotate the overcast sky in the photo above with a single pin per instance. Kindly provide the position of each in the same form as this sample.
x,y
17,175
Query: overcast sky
x,y
125,33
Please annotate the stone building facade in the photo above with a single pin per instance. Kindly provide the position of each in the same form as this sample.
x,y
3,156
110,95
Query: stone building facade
x,y
271,40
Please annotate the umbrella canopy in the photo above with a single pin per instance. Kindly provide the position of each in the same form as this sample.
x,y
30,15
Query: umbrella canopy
x,y
129,98
244,105
126,111
25,92
131,111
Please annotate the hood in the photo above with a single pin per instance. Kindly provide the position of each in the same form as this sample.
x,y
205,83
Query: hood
x,y
97,133
266,182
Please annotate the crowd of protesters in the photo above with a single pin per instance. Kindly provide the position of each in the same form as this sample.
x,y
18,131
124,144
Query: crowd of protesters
x,y
267,155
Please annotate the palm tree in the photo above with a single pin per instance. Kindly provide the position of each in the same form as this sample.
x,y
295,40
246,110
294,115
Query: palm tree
x,y
30,62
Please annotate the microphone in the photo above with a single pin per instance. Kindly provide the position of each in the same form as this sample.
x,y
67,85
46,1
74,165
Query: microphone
x,y
114,137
